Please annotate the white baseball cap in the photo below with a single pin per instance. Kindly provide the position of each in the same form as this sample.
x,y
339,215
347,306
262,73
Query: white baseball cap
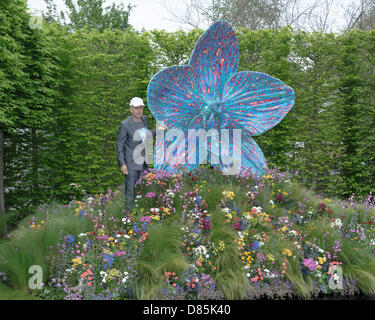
x,y
136,102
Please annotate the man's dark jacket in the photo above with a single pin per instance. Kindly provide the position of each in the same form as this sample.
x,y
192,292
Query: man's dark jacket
x,y
125,144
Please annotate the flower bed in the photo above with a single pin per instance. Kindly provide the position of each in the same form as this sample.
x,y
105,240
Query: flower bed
x,y
202,235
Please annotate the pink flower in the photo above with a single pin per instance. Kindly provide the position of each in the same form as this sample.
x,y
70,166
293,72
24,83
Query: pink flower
x,y
150,195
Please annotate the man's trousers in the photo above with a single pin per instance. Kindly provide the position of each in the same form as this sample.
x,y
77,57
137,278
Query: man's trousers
x,y
130,180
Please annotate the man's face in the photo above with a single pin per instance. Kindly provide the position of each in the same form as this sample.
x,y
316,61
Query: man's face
x,y
137,112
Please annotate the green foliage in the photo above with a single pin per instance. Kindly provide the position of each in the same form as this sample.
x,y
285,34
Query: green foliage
x,y
229,273
34,248
173,48
161,253
91,14
359,264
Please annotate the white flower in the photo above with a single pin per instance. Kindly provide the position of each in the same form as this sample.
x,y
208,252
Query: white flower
x,y
225,210
272,275
82,235
126,236
258,209
139,196
170,193
248,275
246,267
125,220
200,251
337,223
272,203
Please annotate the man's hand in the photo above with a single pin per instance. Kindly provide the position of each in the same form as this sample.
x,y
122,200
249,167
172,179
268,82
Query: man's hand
x,y
124,169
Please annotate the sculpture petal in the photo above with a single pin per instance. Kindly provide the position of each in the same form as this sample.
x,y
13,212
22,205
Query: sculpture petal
x,y
215,59
172,96
251,155
256,102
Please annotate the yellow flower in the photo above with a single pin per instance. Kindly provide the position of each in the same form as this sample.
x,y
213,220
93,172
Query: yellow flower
x,y
270,257
283,229
42,222
76,262
321,260
287,252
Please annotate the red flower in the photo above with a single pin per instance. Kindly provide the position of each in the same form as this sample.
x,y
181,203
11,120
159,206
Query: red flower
x,y
370,222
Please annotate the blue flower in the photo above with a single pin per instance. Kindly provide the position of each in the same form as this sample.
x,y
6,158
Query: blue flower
x,y
109,260
70,239
208,93
255,245
198,200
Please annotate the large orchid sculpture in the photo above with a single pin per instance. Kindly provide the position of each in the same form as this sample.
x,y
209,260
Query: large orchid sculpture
x,y
208,93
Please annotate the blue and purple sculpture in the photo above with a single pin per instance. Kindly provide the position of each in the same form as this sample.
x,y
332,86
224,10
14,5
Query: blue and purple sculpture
x,y
209,93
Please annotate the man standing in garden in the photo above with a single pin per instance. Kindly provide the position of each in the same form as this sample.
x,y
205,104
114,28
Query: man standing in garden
x,y
127,142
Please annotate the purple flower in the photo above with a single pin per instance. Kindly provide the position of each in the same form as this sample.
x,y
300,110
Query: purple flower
x,y
310,263
145,219
237,226
119,253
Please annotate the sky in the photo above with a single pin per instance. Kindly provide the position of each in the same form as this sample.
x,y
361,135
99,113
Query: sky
x,y
152,14
148,14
